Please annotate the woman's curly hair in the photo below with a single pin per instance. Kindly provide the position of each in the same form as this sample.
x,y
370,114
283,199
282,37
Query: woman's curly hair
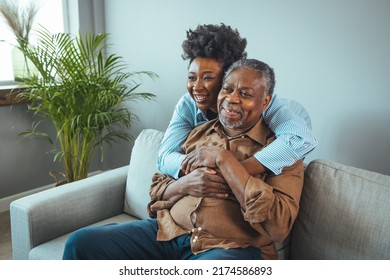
x,y
220,42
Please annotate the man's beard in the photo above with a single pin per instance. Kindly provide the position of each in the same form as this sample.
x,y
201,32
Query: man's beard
x,y
230,124
227,122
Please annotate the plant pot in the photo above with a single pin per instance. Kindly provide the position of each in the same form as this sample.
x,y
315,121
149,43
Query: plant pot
x,y
59,177
22,66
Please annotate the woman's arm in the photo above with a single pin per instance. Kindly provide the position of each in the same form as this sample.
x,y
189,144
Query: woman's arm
x,y
185,117
291,125
292,129
294,141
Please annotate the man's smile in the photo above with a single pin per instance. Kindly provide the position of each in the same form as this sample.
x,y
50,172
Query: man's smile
x,y
232,111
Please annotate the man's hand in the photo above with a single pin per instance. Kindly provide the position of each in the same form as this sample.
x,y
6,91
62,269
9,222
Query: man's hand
x,y
233,173
205,182
202,157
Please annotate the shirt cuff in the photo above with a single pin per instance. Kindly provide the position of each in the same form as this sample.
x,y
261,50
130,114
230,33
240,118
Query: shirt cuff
x,y
276,156
171,164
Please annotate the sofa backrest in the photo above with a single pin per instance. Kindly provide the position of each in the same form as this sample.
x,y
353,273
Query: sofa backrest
x,y
344,214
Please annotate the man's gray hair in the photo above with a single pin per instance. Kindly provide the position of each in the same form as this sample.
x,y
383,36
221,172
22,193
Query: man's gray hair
x,y
259,66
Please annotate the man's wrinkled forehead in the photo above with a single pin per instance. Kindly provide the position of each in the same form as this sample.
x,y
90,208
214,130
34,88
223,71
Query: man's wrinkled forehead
x,y
241,75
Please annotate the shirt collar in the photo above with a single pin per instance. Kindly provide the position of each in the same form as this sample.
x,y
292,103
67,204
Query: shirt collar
x,y
200,116
259,132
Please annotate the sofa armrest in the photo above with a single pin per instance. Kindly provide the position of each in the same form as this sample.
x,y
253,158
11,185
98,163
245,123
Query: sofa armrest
x,y
46,215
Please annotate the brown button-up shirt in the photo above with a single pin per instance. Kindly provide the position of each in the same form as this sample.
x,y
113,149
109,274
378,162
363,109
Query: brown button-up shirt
x,y
272,202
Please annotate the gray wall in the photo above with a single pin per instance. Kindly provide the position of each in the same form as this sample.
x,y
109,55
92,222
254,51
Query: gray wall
x,y
23,162
332,56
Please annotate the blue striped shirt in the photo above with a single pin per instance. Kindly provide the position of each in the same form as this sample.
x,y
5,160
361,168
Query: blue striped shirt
x,y
288,120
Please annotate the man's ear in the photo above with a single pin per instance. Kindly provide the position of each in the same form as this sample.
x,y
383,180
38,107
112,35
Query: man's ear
x,y
267,100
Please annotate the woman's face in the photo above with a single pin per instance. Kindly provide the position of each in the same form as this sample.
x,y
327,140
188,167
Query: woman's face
x,y
204,82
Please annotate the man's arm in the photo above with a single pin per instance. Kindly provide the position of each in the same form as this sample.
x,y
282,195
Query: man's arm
x,y
203,182
294,138
270,205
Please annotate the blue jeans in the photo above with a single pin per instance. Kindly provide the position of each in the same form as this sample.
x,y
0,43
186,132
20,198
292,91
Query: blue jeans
x,y
137,241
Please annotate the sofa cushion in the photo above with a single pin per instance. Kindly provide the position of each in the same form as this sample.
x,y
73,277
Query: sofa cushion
x,y
141,170
344,214
54,249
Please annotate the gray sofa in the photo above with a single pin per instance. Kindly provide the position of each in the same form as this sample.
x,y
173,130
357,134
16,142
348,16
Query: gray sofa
x,y
344,214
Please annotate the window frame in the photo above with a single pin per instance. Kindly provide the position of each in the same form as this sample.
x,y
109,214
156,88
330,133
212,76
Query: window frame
x,y
9,89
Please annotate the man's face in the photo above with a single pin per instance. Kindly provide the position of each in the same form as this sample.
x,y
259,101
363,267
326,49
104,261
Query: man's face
x,y
242,100
204,82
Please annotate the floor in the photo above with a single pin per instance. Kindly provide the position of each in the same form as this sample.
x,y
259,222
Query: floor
x,y
5,237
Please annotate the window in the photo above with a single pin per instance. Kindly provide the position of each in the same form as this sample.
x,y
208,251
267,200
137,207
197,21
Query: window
x,y
50,15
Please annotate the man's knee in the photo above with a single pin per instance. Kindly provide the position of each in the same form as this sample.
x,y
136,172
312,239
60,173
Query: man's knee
x,y
80,241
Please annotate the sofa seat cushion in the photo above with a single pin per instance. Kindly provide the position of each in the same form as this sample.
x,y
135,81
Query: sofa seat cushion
x,y
344,214
54,249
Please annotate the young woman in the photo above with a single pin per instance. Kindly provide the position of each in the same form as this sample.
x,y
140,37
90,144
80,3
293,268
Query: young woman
x,y
211,49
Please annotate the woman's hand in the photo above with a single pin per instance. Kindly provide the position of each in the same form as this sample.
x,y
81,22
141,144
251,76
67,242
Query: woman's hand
x,y
201,157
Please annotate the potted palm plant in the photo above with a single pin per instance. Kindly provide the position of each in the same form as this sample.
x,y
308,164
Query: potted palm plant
x,y
81,90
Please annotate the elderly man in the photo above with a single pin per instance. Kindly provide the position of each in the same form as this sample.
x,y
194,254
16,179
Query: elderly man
x,y
217,211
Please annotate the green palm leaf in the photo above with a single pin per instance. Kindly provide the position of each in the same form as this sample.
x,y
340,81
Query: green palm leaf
x,y
81,89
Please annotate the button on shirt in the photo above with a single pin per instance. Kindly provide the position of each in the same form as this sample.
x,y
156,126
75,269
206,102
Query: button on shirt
x,y
272,201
